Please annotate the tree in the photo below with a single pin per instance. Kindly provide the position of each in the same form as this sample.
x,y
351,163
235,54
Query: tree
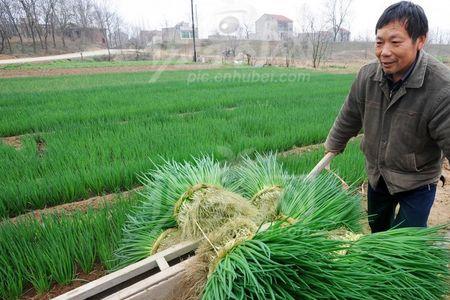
x,y
34,11
246,26
12,12
289,51
337,14
104,18
30,20
64,14
47,12
316,35
83,16
136,41
4,33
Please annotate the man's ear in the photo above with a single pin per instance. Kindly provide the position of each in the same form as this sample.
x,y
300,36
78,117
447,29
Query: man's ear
x,y
421,41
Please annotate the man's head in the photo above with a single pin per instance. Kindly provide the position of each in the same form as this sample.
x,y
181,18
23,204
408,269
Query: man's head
x,y
401,32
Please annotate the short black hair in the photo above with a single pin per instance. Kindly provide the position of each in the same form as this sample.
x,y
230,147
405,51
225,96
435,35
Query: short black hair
x,y
410,14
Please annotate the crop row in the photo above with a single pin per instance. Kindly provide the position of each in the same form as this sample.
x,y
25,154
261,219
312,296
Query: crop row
x,y
87,63
87,135
349,165
54,249
38,253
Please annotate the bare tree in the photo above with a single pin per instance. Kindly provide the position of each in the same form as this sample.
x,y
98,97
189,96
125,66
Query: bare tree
x,y
136,41
34,11
104,18
53,20
64,14
438,36
5,35
319,38
116,28
46,8
30,20
83,16
337,14
289,51
12,12
246,26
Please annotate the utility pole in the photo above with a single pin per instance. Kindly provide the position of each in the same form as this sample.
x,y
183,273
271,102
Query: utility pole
x,y
193,30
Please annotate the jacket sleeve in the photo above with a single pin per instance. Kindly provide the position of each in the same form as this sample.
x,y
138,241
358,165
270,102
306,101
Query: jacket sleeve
x,y
348,123
439,125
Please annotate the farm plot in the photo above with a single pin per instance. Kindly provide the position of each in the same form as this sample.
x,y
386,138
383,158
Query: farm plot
x,y
80,136
349,165
69,138
36,254
87,63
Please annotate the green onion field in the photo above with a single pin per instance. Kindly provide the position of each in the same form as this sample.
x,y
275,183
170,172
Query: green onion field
x,y
77,137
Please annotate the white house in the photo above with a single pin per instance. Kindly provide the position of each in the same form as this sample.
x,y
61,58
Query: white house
x,y
274,28
181,32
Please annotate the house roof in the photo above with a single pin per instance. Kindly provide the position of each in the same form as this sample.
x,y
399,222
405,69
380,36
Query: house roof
x,y
279,18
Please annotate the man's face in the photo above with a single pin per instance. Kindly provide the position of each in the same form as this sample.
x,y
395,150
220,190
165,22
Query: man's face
x,y
395,49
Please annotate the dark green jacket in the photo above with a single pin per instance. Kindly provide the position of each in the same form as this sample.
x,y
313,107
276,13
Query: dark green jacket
x,y
406,135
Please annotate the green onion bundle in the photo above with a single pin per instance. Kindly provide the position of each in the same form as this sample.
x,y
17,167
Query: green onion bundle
x,y
268,235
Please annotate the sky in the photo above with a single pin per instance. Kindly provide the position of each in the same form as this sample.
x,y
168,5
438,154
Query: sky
x,y
151,14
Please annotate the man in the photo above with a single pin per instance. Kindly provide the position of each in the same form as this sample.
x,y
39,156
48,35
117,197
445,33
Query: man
x,y
402,103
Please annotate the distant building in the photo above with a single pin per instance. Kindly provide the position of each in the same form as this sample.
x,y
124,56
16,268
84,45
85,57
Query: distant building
x,y
182,32
343,35
120,39
91,34
150,37
274,28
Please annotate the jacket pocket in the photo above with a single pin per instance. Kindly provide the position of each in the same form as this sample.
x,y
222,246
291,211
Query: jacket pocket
x,y
403,163
370,156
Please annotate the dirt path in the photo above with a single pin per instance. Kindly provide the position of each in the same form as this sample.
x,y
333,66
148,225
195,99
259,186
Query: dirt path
x,y
308,148
102,70
440,212
74,55
94,203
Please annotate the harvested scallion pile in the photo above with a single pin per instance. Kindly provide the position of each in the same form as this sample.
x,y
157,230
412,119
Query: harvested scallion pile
x,y
265,234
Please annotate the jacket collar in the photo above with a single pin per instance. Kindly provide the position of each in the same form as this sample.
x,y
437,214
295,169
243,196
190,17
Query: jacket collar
x,y
417,76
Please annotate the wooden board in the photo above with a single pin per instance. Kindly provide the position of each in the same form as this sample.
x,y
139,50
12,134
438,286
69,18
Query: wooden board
x,y
158,287
159,263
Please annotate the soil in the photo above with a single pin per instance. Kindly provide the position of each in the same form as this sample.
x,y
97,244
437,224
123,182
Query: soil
x,y
56,290
440,212
13,141
40,147
101,70
6,56
91,203
308,148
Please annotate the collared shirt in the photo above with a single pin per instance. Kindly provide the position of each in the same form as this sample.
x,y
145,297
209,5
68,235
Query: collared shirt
x,y
395,86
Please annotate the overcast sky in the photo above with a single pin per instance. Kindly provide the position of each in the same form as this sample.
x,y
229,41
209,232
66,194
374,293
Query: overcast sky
x,y
152,14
